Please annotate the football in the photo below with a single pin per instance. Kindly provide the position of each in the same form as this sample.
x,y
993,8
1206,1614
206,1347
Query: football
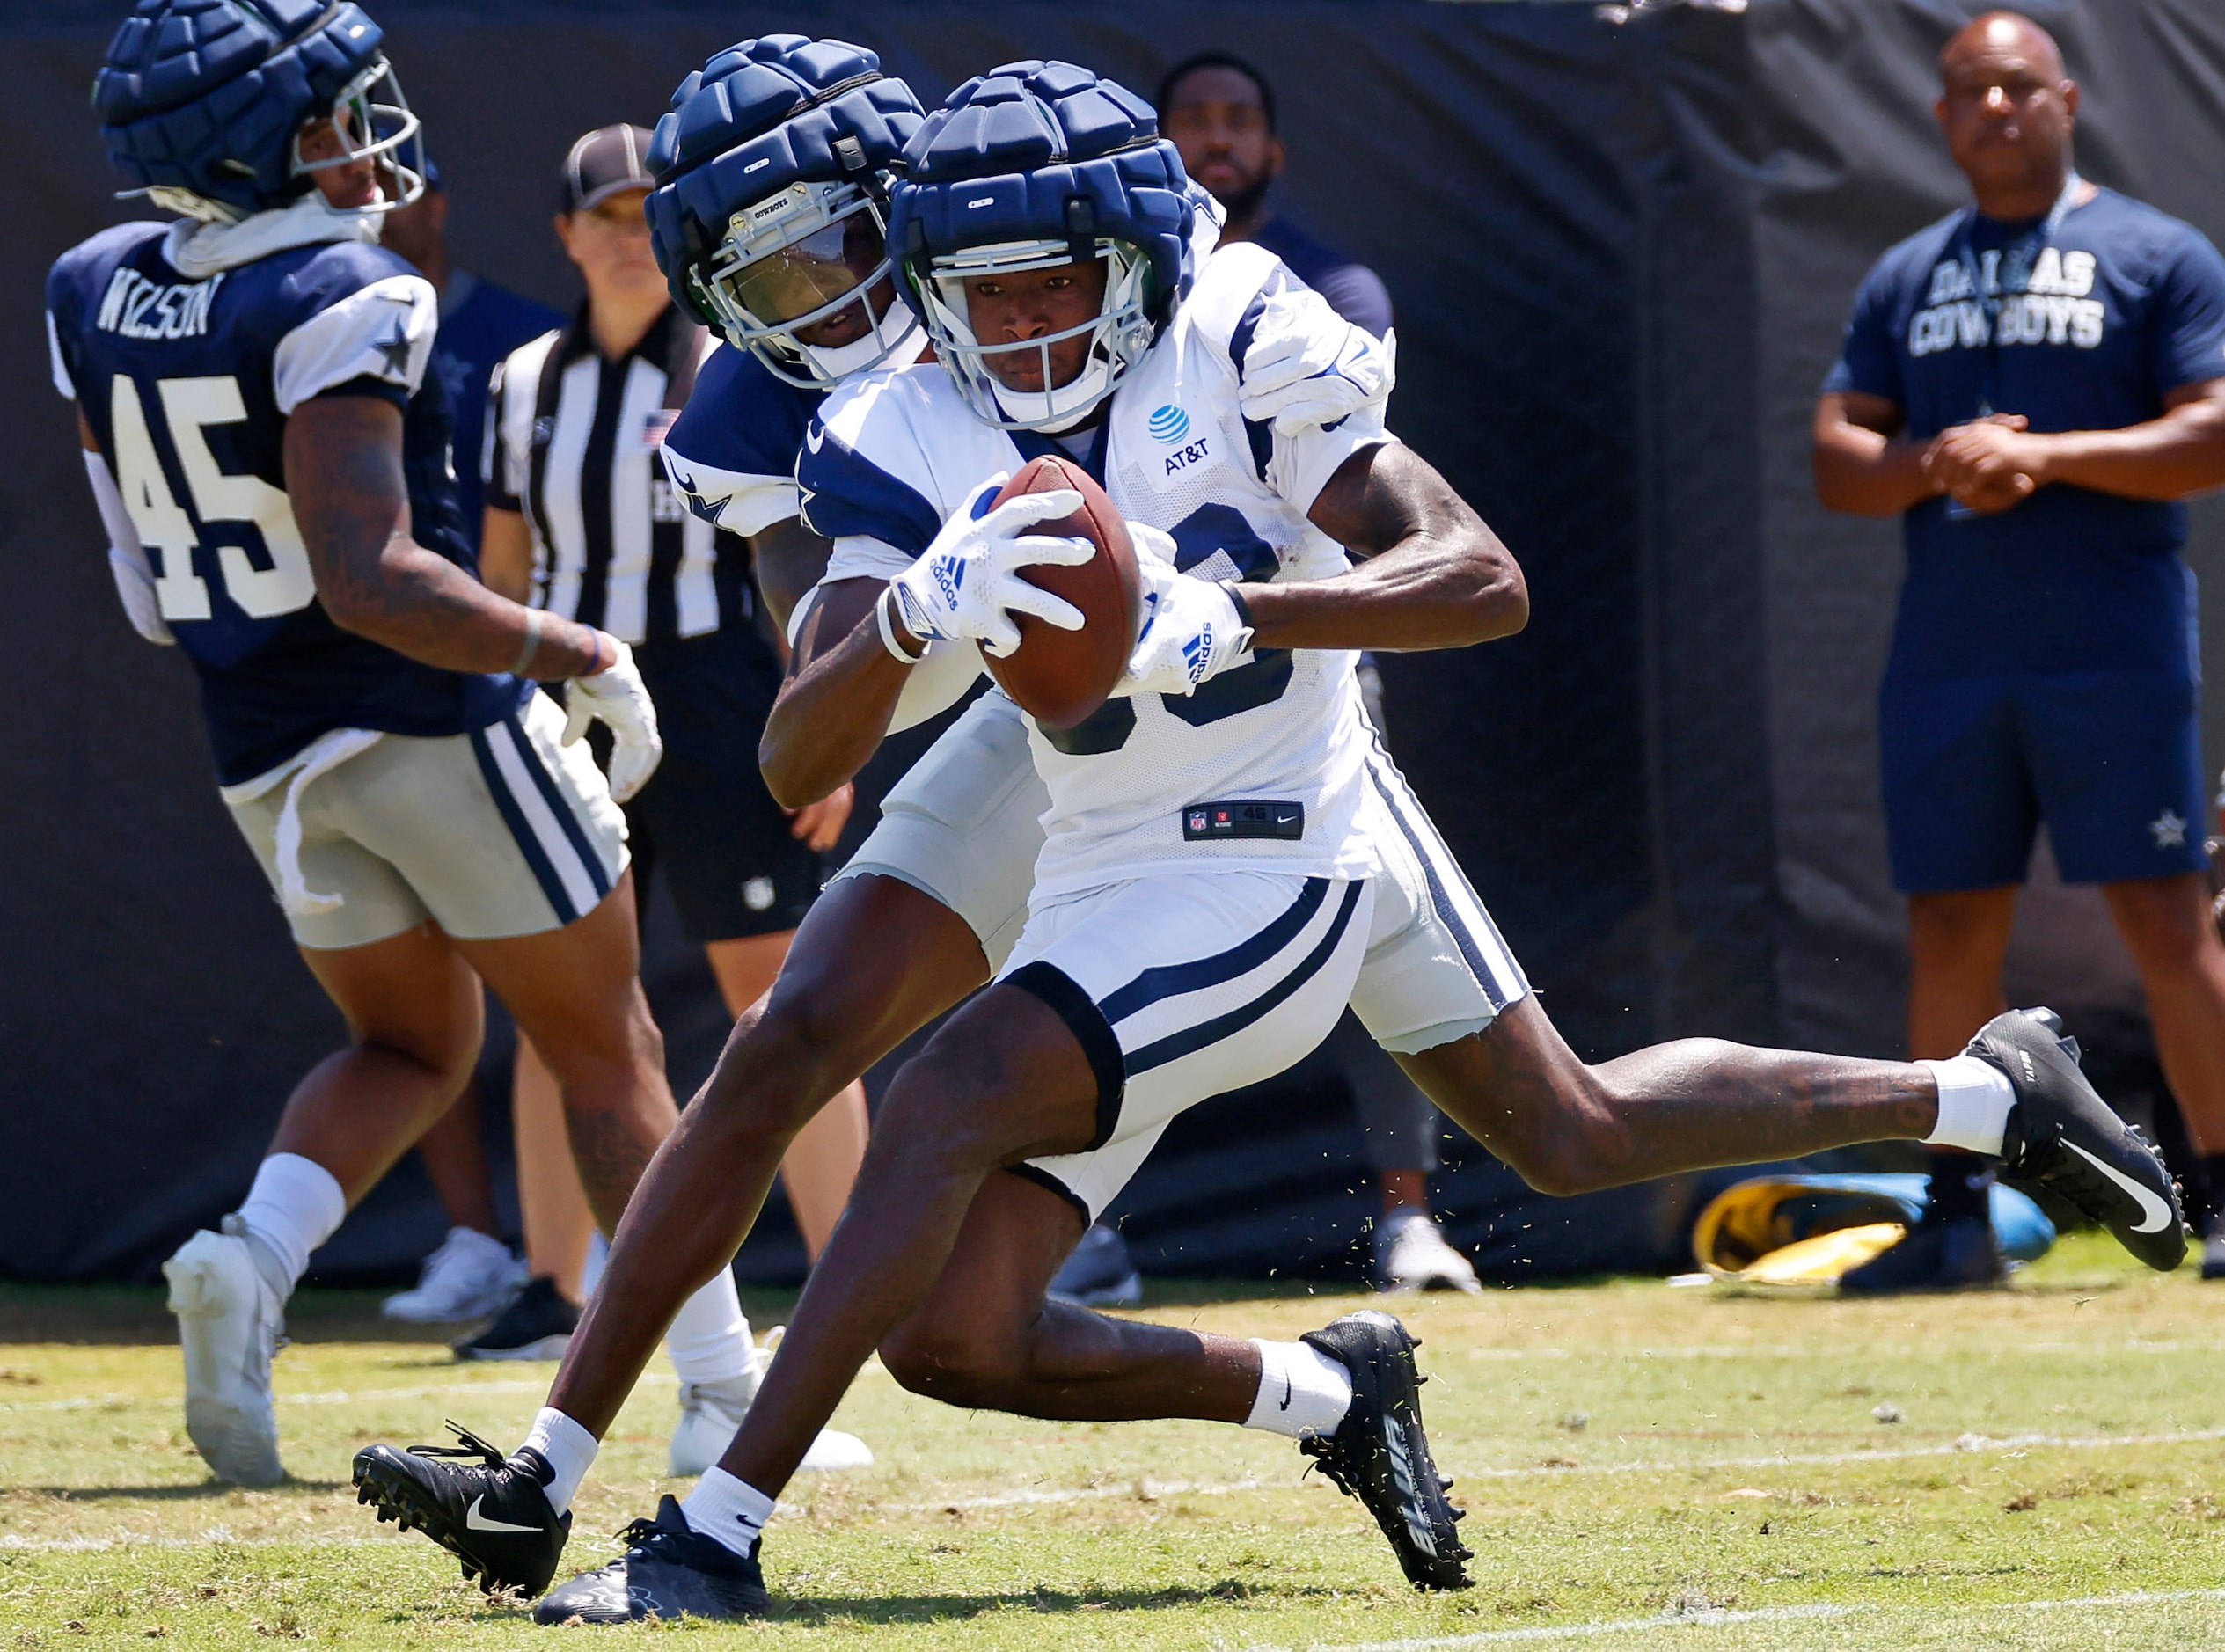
x,y
1059,677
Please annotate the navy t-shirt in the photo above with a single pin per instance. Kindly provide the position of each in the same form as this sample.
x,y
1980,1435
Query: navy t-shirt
x,y
481,323
188,386
1353,290
2124,304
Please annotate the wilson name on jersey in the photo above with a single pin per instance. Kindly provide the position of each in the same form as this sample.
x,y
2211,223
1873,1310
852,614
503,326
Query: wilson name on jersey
x,y
892,456
187,386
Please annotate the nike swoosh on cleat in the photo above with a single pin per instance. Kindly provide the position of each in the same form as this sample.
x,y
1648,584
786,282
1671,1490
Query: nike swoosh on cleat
x,y
2158,1212
477,1521
1285,1404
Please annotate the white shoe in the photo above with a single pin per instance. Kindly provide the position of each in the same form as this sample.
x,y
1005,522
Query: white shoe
x,y
1411,1254
229,1322
469,1278
711,1414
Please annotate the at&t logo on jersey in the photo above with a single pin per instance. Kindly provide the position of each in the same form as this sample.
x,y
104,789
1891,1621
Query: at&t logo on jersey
x,y
1170,424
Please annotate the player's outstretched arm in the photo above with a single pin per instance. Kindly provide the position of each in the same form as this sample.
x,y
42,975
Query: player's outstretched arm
x,y
343,457
1434,575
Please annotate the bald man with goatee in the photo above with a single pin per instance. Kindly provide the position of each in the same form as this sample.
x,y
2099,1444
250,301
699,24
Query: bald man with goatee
x,y
2033,384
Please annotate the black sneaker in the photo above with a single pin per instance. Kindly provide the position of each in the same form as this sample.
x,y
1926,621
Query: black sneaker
x,y
1954,1253
669,1570
537,1324
491,1515
1380,1454
2062,1137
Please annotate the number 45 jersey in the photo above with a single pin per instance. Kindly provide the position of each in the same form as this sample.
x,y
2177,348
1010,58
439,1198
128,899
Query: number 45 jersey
x,y
1261,768
188,386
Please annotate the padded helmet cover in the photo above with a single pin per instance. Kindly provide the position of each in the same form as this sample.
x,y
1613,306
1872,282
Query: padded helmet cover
x,y
207,95
764,114
1044,151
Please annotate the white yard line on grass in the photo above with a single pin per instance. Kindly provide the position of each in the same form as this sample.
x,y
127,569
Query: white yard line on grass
x,y
1761,1614
1140,1490
1968,1445
331,1397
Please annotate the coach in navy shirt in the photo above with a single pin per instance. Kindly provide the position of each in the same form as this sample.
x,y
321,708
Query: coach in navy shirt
x,y
2033,384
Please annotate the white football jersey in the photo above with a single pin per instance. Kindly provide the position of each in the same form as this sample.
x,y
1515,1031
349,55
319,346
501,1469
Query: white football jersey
x,y
1261,767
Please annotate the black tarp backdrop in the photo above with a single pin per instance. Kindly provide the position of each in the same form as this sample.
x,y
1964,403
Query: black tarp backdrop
x,y
1620,252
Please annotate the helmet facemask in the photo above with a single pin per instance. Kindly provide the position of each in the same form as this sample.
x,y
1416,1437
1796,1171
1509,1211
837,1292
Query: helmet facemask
x,y
794,261
1119,333
376,122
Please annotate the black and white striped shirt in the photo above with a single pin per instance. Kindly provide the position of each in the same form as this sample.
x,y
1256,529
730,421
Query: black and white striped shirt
x,y
572,441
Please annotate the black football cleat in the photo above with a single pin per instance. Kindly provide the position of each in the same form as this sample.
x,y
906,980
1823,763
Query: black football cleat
x,y
2062,1137
669,1570
1379,1453
491,1514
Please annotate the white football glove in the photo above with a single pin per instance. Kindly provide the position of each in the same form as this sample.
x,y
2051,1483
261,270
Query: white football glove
x,y
1307,366
136,586
616,695
968,583
1192,629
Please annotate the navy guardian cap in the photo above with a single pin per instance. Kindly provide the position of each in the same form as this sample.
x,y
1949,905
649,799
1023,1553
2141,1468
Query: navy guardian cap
x,y
1031,165
769,216
202,102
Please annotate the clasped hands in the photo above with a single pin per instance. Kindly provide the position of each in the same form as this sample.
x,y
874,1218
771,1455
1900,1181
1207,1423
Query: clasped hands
x,y
1989,465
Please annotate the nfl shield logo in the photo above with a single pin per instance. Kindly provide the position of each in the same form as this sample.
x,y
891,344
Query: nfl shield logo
x,y
1197,820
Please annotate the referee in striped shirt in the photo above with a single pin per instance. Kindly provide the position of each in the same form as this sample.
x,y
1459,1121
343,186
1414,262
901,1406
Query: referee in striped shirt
x,y
581,520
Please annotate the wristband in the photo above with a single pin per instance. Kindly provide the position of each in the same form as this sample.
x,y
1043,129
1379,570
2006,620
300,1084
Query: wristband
x,y
533,642
596,663
1236,595
884,611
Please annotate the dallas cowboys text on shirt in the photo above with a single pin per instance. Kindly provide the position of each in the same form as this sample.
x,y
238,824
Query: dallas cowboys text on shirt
x,y
2053,308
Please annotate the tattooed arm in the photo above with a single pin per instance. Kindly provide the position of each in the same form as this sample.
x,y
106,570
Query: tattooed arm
x,y
1434,576
343,457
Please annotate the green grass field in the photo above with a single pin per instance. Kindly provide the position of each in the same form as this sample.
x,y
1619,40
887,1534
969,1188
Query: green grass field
x,y
1644,1468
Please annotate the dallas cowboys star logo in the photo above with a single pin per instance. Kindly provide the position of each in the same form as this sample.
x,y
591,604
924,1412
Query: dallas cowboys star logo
x,y
2170,829
395,352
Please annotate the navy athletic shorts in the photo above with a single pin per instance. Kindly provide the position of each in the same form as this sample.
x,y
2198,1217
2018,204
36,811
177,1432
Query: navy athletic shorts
x,y
705,820
2111,760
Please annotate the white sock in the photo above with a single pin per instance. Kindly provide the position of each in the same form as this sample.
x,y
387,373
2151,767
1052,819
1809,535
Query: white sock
x,y
1974,1099
294,1206
726,1510
709,1340
570,1451
1301,1391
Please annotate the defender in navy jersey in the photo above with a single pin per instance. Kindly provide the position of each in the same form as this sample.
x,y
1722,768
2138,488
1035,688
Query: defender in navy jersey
x,y
271,464
2033,384
582,520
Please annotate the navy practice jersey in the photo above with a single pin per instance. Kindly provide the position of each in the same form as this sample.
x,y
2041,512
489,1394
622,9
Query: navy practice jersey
x,y
188,386
481,323
2122,306
731,454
